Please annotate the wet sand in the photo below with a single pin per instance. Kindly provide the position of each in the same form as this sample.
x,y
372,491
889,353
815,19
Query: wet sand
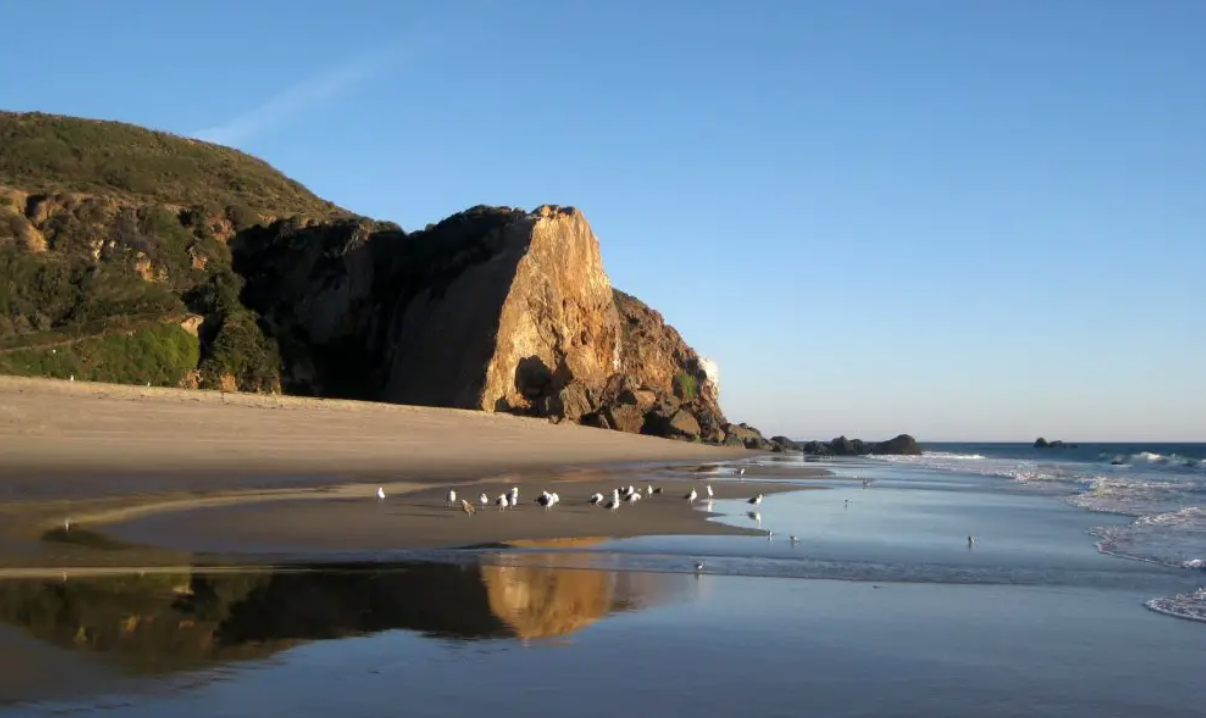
x,y
169,473
306,530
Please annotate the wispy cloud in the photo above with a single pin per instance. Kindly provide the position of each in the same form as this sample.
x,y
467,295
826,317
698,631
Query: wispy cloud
x,y
292,100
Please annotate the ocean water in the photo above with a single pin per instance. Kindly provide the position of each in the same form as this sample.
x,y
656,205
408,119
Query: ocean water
x,y
1159,487
878,607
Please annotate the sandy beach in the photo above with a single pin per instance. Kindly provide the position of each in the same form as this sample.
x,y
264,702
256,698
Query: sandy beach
x,y
170,473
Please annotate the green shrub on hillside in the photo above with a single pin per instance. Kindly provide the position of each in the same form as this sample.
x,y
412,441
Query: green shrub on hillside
x,y
241,350
161,355
39,292
686,387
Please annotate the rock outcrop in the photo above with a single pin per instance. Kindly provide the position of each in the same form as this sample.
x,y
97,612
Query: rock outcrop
x,y
901,445
1042,443
498,309
495,309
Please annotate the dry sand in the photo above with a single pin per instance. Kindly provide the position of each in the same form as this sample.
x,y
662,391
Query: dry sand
x,y
81,431
180,471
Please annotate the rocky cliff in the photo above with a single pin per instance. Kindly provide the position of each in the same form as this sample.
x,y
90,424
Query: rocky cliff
x,y
495,308
129,255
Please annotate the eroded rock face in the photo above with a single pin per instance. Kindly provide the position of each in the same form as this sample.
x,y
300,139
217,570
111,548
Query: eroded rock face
x,y
534,318
494,308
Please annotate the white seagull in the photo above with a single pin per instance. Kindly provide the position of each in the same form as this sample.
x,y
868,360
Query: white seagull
x,y
756,500
501,502
596,499
546,500
699,567
649,490
741,472
709,488
633,497
451,496
381,492
692,496
485,500
614,503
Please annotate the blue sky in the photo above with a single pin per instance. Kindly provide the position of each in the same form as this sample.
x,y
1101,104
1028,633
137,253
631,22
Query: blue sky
x,y
963,219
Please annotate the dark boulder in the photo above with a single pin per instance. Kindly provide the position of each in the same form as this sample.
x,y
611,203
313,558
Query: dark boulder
x,y
841,446
817,448
902,445
785,443
672,423
749,437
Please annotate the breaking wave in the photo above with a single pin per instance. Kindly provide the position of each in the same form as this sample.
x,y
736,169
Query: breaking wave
x,y
1164,491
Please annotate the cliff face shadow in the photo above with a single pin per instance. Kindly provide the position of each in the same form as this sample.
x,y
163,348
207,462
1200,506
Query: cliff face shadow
x,y
538,384
163,623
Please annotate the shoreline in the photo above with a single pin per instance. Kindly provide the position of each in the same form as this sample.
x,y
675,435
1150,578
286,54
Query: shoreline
x,y
115,459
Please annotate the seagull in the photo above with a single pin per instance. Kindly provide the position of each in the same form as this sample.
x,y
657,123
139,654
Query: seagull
x,y
691,496
658,490
756,500
596,499
485,500
633,497
770,535
709,488
513,498
381,492
794,540
556,498
649,490
501,502
741,472
451,496
66,524
970,542
613,504
545,500
467,507
847,503
699,567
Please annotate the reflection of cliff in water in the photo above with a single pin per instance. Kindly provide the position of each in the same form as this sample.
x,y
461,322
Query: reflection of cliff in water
x,y
535,599
168,622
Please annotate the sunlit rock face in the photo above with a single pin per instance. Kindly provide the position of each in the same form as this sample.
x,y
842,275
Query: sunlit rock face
x,y
535,597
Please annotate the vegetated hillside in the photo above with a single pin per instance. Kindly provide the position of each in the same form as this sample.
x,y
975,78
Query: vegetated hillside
x,y
109,231
52,154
